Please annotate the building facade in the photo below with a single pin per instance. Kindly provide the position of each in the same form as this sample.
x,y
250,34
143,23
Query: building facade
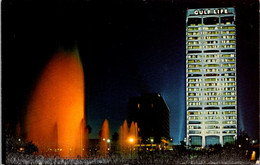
x,y
211,89
151,113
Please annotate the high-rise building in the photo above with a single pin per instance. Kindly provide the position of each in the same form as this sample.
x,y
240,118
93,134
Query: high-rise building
x,y
211,89
151,113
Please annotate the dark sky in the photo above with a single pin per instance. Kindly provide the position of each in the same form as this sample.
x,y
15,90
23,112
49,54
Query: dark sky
x,y
127,47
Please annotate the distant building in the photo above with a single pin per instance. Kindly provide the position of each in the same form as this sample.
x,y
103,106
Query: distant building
x,y
211,89
151,113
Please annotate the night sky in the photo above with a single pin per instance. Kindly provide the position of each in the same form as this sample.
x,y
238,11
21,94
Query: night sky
x,y
127,47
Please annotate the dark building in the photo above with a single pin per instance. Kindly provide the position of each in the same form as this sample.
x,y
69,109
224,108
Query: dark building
x,y
151,113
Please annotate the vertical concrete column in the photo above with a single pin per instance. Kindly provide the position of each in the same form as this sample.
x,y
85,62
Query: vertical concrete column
x,y
203,141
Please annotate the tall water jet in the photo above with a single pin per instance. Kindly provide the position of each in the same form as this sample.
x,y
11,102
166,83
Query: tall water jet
x,y
104,140
55,115
123,136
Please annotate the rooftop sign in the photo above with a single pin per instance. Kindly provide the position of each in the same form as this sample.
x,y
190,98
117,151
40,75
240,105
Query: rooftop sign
x,y
210,11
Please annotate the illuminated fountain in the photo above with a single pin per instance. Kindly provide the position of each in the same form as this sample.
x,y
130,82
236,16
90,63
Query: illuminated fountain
x,y
104,140
55,119
127,140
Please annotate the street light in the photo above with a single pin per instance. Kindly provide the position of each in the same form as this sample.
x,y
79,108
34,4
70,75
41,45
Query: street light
x,y
131,141
152,144
108,141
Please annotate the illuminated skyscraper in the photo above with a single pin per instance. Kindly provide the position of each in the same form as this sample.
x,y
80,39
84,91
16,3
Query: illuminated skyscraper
x,y
211,89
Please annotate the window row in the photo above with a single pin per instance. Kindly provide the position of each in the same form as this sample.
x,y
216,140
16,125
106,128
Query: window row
x,y
228,32
195,118
212,127
229,84
228,60
211,89
229,65
212,65
194,132
225,89
228,79
212,117
195,103
229,74
212,132
211,37
210,84
229,93
228,37
229,112
194,113
194,127
194,89
211,28
211,94
229,88
230,131
229,103
210,55
213,122
228,41
229,122
195,66
228,46
194,33
212,103
194,38
194,43
229,98
194,94
194,56
210,70
194,47
228,69
212,112
211,79
195,99
194,61
194,85
228,27
212,98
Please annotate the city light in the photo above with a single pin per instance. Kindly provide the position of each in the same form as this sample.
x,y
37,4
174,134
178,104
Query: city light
x,y
131,140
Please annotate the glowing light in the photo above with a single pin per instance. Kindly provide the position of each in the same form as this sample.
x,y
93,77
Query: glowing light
x,y
131,140
55,114
108,140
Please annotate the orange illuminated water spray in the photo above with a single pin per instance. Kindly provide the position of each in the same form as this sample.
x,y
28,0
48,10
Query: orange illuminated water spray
x,y
55,119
